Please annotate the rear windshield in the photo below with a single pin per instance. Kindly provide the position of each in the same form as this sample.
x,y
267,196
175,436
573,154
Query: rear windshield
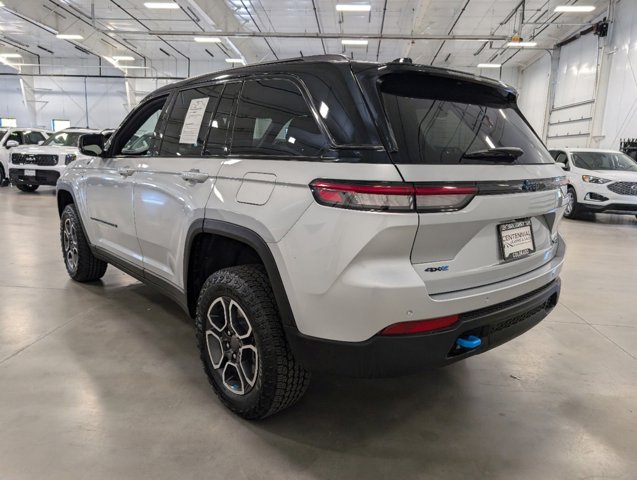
x,y
442,121
604,161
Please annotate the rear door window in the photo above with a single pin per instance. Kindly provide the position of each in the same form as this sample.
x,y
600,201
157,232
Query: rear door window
x,y
187,125
220,124
273,119
433,124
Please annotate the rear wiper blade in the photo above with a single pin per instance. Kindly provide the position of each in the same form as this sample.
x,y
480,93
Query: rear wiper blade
x,y
502,154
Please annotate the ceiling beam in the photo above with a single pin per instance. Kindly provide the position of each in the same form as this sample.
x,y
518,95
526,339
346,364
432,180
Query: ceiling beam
x,y
311,35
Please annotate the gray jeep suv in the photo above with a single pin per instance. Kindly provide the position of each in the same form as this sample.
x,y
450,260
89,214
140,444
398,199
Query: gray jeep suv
x,y
321,214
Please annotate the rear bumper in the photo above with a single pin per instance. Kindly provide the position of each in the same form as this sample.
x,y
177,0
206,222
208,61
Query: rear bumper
x,y
42,177
383,356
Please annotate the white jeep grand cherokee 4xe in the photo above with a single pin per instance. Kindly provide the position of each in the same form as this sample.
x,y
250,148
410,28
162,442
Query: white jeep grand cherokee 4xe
x,y
321,214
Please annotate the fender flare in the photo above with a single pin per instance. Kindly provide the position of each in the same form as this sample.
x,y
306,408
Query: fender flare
x,y
256,242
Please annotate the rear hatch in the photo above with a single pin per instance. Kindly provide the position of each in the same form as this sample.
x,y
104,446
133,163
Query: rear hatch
x,y
490,196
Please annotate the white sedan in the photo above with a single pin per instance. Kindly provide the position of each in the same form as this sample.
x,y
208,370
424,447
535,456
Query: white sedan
x,y
600,181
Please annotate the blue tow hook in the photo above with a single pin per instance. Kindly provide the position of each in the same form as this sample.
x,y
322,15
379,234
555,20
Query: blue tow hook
x,y
469,342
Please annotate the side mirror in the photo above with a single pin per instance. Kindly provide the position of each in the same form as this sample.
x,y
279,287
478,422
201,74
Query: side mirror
x,y
11,144
563,166
92,144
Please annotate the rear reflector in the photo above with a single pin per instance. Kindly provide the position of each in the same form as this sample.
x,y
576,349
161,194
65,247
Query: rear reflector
x,y
391,197
420,326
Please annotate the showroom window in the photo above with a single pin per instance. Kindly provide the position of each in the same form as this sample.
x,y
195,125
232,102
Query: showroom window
x,y
274,119
187,126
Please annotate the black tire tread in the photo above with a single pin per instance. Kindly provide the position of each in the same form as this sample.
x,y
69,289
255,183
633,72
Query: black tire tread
x,y
89,268
285,381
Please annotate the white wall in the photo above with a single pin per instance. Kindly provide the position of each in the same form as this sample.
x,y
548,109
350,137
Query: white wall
x,y
103,99
620,112
534,92
614,113
11,100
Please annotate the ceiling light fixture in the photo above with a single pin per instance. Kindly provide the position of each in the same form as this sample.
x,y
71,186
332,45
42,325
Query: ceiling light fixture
x,y
347,7
574,8
10,55
489,65
162,5
521,44
207,39
236,60
69,36
123,58
352,41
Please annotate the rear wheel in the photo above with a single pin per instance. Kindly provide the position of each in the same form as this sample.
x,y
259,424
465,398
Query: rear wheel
x,y
81,264
27,188
573,209
242,345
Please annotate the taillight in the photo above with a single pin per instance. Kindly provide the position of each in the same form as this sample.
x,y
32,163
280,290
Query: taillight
x,y
364,196
392,197
420,326
444,198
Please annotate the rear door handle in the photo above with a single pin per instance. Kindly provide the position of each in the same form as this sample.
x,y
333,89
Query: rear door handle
x,y
195,176
126,171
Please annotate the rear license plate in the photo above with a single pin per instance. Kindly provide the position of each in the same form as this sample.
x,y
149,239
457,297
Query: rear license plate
x,y
29,173
516,239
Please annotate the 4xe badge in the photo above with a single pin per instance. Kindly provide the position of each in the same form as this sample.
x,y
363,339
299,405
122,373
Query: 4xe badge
x,y
443,268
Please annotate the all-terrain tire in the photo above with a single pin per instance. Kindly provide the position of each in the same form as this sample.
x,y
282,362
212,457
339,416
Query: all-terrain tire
x,y
278,380
81,264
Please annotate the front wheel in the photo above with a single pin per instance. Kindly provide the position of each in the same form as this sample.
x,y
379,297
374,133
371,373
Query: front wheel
x,y
573,209
242,345
81,264
27,188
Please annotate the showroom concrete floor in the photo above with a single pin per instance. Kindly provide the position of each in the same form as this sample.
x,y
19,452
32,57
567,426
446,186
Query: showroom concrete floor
x,y
103,381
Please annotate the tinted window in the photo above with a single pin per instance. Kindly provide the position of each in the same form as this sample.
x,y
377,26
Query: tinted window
x,y
138,134
64,139
187,126
15,136
220,123
33,138
604,161
561,158
441,128
140,142
274,119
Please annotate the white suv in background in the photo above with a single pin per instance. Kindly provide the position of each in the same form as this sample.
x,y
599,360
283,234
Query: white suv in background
x,y
35,165
322,214
14,137
599,181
